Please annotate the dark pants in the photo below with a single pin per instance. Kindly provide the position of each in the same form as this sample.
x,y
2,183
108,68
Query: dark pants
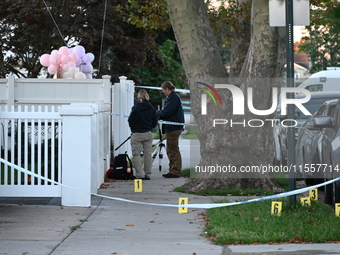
x,y
172,150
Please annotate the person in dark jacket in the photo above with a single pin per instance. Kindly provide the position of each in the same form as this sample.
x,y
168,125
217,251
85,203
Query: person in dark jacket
x,y
172,112
142,120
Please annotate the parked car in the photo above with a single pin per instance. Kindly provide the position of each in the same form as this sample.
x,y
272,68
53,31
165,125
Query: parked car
x,y
330,157
280,131
308,147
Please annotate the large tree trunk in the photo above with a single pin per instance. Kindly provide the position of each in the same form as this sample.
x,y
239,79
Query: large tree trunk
x,y
226,145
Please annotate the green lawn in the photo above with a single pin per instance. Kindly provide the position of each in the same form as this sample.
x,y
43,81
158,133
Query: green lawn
x,y
253,223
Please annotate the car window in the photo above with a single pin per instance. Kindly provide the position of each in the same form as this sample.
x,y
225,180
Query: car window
x,y
312,106
315,87
321,110
331,110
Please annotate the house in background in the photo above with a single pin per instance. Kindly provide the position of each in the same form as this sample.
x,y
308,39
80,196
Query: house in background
x,y
301,67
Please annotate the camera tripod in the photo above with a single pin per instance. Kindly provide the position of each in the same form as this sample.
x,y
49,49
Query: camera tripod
x,y
158,150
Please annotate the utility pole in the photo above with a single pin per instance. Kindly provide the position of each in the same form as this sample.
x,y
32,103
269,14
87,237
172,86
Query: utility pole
x,y
282,13
290,108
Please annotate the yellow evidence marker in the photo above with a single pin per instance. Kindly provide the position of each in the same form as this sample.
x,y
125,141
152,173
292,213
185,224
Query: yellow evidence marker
x,y
337,209
138,185
276,208
305,201
313,194
183,201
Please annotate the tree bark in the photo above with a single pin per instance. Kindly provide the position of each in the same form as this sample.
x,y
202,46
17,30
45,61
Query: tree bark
x,y
225,145
241,41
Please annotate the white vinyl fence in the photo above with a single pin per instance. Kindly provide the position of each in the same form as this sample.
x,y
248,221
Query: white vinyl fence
x,y
32,91
31,139
61,130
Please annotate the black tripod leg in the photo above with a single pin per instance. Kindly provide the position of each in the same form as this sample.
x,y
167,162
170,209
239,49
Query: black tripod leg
x,y
155,154
161,145
123,143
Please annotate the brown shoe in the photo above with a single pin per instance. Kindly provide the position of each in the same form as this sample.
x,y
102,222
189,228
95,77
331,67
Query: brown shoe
x,y
170,175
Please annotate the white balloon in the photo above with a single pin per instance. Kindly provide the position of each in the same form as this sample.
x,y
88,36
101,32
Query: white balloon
x,y
79,75
73,70
67,75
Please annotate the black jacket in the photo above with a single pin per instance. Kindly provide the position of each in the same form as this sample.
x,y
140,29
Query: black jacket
x,y
173,112
142,118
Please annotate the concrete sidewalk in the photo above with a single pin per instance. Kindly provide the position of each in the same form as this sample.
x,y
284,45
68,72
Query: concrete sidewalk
x,y
128,228
41,226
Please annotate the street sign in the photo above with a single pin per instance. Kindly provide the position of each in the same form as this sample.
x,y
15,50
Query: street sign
x,y
277,13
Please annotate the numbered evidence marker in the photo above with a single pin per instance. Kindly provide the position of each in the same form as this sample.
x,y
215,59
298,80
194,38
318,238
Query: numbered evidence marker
x,y
138,185
276,208
183,201
313,194
305,201
337,209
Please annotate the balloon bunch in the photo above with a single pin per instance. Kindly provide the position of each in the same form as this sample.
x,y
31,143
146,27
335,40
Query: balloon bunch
x,y
68,63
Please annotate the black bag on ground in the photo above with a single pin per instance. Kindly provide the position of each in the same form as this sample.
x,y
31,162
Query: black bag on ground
x,y
122,168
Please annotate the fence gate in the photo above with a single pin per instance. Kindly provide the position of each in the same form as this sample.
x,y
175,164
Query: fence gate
x,y
31,139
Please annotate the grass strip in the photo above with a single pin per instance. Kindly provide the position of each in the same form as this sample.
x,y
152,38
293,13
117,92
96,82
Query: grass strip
x,y
253,223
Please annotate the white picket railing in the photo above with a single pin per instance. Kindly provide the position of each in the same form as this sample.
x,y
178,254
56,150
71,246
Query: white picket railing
x,y
68,146
30,138
68,139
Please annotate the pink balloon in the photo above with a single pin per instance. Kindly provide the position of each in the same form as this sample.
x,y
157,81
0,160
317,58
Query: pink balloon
x,y
64,50
65,67
73,57
54,53
45,60
71,64
52,69
65,59
54,60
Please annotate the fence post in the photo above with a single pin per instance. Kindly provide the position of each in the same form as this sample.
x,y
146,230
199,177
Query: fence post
x,y
11,90
76,151
106,89
108,120
123,96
